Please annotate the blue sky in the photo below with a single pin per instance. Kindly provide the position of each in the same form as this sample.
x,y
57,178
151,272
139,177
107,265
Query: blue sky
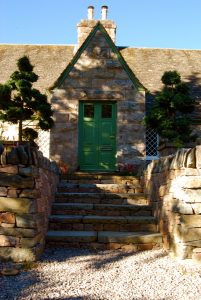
x,y
142,23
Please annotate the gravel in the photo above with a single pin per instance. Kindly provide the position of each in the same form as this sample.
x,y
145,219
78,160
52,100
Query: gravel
x,y
79,274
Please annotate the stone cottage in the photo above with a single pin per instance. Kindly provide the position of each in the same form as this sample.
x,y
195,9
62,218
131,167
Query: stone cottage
x,y
99,93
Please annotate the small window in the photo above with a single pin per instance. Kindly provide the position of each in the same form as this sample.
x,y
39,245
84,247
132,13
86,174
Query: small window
x,y
107,111
89,111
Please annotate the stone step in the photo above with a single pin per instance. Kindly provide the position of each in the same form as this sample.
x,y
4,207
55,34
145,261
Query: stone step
x,y
105,239
107,180
101,198
101,209
102,223
100,188
84,177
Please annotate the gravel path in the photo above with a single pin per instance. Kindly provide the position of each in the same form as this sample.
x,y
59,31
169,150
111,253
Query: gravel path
x,y
83,274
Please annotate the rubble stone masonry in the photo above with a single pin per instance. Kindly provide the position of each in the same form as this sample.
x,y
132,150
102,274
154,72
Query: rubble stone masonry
x,y
28,183
173,186
98,76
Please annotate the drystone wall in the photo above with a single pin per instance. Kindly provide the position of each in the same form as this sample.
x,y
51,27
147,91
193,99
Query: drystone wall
x,y
173,186
28,183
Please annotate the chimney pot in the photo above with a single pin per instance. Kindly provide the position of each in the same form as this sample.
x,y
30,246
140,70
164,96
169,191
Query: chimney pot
x,y
104,10
90,12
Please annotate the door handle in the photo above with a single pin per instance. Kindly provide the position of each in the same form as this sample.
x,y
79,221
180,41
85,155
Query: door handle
x,y
112,136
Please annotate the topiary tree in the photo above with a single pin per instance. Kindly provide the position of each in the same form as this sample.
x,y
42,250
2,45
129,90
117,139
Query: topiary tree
x,y
170,114
20,102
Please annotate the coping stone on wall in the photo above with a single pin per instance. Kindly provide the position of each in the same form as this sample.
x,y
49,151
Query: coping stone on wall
x,y
198,157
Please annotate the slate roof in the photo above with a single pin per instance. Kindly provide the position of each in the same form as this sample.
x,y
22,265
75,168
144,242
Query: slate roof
x,y
49,61
150,64
147,64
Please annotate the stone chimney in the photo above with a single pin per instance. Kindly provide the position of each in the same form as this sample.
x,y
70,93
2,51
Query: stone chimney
x,y
90,13
85,26
104,10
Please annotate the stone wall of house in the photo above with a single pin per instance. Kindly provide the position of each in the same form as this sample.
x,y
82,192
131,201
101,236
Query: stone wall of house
x,y
28,183
173,186
86,26
98,76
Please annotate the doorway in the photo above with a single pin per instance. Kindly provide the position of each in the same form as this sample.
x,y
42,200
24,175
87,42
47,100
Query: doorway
x,y
97,136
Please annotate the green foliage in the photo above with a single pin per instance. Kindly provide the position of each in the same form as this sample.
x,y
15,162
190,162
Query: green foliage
x,y
171,78
170,114
29,134
19,101
24,64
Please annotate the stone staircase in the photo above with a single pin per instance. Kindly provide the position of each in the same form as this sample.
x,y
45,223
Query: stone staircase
x,y
102,211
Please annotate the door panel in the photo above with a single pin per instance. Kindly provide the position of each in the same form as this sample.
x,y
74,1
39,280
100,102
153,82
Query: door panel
x,y
97,136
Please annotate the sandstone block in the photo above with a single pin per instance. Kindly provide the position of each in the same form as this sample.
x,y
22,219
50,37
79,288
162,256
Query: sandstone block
x,y
27,149
23,205
196,256
15,181
8,241
18,232
179,159
6,225
198,157
29,193
181,251
197,208
190,159
29,220
188,182
3,158
12,156
195,244
26,171
30,242
23,157
191,172
7,217
12,192
191,220
197,250
188,195
144,247
182,207
9,169
3,191
185,234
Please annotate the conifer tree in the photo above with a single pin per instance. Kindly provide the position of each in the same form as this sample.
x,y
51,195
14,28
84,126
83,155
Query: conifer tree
x,y
170,115
20,102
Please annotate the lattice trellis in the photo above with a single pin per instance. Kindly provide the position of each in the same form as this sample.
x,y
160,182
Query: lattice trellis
x,y
151,144
43,142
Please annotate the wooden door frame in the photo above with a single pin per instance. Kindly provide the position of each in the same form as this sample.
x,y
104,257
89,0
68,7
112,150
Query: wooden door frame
x,y
80,120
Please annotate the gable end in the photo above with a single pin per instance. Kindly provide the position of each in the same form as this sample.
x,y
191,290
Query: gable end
x,y
120,58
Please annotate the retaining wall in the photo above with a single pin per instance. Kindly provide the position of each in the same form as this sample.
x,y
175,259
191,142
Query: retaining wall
x,y
28,183
173,186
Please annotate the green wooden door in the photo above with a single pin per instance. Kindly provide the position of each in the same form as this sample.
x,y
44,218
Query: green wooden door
x,y
97,136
